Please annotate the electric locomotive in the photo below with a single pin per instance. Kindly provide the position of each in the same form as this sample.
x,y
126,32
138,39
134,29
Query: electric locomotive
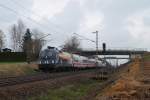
x,y
53,59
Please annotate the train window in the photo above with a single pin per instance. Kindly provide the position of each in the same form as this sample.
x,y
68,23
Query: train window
x,y
76,60
85,60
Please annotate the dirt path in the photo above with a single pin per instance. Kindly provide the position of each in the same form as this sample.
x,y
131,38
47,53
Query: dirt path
x,y
132,85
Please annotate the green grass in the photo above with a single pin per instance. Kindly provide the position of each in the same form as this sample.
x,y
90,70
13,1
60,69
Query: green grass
x,y
28,70
147,57
15,69
69,92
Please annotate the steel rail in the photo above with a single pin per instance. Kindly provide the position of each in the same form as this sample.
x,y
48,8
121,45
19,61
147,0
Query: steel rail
x,y
10,81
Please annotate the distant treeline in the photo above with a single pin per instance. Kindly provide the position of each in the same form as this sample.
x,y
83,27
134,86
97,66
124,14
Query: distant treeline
x,y
12,57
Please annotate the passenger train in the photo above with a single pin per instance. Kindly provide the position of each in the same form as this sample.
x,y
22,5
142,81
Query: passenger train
x,y
53,59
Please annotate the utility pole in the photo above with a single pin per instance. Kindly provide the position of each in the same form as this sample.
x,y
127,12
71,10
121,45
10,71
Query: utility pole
x,y
96,32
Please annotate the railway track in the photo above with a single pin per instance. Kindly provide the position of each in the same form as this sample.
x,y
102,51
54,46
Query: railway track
x,y
10,81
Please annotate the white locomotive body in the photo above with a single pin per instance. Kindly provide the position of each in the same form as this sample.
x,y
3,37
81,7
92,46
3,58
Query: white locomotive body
x,y
51,58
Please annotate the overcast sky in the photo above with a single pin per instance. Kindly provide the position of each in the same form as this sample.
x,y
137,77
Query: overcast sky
x,y
121,23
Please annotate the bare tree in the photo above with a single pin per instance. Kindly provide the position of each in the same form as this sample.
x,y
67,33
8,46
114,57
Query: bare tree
x,y
20,31
13,34
32,44
17,31
2,36
37,42
72,44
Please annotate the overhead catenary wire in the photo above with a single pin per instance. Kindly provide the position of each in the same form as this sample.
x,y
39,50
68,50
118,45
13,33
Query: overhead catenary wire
x,y
37,15
5,7
44,19
29,18
84,37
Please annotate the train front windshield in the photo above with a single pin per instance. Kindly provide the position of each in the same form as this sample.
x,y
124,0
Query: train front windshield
x,y
49,56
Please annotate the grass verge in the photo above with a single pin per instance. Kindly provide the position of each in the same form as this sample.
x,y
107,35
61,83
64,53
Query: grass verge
x,y
15,69
73,91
